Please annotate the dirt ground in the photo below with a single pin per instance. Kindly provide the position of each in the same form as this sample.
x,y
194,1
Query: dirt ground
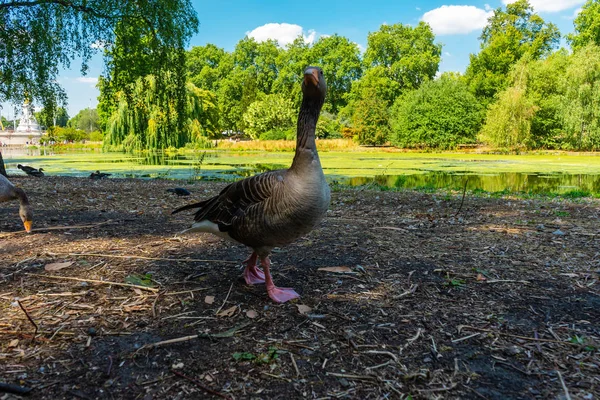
x,y
501,301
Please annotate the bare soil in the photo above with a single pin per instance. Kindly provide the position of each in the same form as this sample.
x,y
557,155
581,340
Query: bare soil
x,y
501,301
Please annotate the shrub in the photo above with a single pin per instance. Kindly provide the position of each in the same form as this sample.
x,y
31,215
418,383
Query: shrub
x,y
440,114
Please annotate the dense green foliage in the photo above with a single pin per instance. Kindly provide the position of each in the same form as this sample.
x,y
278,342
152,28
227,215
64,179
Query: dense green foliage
x,y
86,120
517,93
581,108
587,26
39,37
509,35
144,123
440,114
273,113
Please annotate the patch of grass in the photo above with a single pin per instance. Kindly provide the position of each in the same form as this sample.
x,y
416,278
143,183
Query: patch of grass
x,y
576,194
560,213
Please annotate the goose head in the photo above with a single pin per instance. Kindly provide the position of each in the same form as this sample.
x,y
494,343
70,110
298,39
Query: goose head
x,y
314,85
26,215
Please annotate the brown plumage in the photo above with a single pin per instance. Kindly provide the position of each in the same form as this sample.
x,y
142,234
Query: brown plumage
x,y
9,192
277,207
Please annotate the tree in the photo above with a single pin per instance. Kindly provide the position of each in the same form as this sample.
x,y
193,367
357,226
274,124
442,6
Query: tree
x,y
408,54
587,26
271,113
86,120
509,35
292,62
581,108
398,58
60,117
340,60
440,114
545,90
39,37
235,94
203,66
508,121
370,121
142,123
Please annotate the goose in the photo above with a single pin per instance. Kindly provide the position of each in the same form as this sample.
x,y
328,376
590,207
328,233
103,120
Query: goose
x,y
26,168
179,191
30,170
99,175
9,192
274,208
35,173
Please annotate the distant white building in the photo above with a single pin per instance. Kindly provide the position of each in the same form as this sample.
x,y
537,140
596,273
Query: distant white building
x,y
28,131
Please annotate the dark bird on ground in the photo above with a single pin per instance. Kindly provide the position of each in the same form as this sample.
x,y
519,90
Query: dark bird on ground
x,y
179,191
9,192
99,175
277,207
30,170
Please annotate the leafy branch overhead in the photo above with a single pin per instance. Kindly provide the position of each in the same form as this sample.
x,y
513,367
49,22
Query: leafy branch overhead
x,y
38,38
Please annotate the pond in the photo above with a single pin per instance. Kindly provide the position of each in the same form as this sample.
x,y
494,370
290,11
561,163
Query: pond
x,y
558,173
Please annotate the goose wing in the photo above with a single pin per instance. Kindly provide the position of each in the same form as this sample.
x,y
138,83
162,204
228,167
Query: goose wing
x,y
239,200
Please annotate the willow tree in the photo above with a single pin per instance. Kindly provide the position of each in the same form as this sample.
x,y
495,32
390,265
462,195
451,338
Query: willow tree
x,y
142,120
39,37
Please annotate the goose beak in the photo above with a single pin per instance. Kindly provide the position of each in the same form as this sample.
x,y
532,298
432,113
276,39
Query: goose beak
x,y
27,225
311,77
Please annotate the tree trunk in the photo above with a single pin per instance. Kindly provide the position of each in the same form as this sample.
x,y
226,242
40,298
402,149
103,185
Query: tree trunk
x,y
2,170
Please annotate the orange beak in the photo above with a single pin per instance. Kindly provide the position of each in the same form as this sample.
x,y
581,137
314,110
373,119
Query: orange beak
x,y
311,77
27,225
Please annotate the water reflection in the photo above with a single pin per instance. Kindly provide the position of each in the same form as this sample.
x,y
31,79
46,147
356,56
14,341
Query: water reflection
x,y
511,181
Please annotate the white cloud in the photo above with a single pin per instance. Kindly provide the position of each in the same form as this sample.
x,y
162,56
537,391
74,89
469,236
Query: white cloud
x,y
283,33
456,20
87,79
550,5
99,44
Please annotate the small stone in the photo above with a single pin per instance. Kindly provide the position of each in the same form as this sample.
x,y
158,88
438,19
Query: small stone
x,y
427,360
92,331
540,227
344,382
512,350
558,232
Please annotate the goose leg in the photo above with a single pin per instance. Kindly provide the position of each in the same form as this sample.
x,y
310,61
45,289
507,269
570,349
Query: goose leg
x,y
277,294
252,274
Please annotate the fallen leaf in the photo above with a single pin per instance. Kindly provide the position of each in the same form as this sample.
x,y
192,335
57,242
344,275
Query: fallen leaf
x,y
57,266
480,277
228,313
137,291
339,270
302,309
209,299
251,314
13,343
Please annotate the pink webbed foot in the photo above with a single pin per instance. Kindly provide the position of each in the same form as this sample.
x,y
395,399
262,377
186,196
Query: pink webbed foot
x,y
277,294
252,274
281,295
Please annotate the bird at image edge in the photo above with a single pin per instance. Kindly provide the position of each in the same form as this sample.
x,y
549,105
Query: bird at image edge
x,y
277,207
9,192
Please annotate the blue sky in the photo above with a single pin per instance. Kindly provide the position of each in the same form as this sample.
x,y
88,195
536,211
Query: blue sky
x,y
457,26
